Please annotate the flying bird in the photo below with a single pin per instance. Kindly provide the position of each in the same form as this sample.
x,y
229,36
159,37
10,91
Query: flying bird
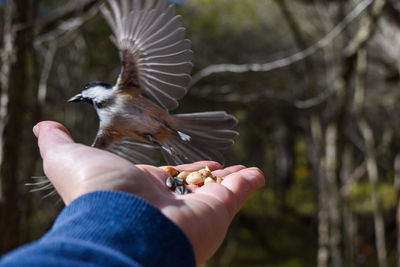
x,y
156,63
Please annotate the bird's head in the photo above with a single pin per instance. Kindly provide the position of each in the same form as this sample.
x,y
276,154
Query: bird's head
x,y
99,94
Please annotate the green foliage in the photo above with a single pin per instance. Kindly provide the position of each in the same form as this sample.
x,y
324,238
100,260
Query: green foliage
x,y
361,201
301,194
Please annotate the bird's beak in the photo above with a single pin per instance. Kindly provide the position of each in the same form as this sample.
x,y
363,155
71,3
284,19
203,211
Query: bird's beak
x,y
77,98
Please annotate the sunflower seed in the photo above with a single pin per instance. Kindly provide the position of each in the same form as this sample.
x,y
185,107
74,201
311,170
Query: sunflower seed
x,y
180,190
171,184
179,181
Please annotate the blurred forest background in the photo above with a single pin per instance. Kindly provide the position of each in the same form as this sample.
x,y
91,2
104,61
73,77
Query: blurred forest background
x,y
314,83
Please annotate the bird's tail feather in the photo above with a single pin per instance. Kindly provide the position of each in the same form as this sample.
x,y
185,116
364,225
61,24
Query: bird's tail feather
x,y
208,131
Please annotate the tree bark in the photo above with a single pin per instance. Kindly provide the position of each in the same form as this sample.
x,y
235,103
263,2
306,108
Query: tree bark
x,y
372,166
331,156
390,33
397,186
14,85
350,229
323,217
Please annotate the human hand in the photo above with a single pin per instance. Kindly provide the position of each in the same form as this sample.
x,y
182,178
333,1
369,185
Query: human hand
x,y
204,216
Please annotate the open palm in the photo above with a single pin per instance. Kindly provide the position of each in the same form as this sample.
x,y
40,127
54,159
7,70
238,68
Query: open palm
x,y
204,216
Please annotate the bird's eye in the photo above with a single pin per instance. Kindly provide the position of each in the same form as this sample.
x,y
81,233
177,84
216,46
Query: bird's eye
x,y
99,104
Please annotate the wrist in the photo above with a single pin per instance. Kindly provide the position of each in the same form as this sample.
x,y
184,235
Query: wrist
x,y
127,224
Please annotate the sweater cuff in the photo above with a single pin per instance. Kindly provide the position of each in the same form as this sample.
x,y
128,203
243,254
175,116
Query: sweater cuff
x,y
127,224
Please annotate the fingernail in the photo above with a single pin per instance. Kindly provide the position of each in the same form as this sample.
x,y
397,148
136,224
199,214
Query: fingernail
x,y
36,130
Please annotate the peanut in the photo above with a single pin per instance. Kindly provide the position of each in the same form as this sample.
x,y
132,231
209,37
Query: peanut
x,y
209,180
171,171
184,174
195,178
205,172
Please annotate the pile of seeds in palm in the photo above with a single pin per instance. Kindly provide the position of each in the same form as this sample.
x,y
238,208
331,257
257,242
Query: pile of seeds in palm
x,y
178,181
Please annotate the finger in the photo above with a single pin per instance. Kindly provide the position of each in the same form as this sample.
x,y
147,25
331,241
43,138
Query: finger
x,y
243,183
212,165
53,139
50,135
216,195
228,170
234,190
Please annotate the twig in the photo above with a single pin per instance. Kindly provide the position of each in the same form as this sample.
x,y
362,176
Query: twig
x,y
72,9
264,96
65,27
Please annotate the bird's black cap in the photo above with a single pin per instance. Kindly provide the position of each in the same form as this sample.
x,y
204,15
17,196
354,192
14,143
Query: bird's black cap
x,y
97,83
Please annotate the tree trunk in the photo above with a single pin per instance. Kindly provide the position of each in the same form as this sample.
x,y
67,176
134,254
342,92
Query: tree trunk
x,y
397,186
349,221
13,89
372,166
323,218
331,157
390,33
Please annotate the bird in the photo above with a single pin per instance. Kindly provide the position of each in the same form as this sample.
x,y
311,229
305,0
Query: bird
x,y
135,119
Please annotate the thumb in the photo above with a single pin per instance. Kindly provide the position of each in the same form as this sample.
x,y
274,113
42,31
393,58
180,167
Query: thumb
x,y
50,135
54,140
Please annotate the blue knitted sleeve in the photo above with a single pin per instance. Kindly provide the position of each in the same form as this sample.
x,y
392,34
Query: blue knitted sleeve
x,y
107,229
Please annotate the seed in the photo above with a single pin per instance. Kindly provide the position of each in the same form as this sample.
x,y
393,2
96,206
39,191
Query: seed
x,y
171,171
179,181
180,190
171,184
205,172
209,180
183,174
195,178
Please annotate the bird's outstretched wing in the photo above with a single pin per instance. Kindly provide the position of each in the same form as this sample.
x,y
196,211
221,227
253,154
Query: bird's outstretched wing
x,y
135,152
156,57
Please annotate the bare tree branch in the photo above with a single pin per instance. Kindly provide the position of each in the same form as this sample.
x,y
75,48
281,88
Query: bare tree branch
x,y
367,29
65,27
390,33
264,97
286,61
72,9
